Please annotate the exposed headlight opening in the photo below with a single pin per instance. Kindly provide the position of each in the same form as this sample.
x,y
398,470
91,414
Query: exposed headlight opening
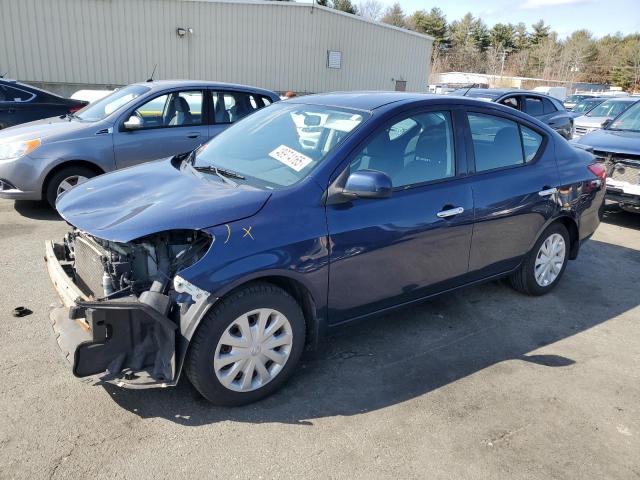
x,y
14,150
104,268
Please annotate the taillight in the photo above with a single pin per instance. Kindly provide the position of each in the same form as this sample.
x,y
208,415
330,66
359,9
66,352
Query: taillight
x,y
75,109
599,171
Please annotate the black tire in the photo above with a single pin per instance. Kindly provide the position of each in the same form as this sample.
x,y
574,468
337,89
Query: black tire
x,y
199,364
51,189
524,280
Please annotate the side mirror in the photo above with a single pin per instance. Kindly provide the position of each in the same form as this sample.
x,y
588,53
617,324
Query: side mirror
x,y
368,184
607,122
134,123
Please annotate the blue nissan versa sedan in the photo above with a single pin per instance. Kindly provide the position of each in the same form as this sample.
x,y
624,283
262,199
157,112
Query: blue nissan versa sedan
x,y
227,261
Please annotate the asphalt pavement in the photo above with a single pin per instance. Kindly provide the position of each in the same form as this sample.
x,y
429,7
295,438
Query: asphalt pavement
x,y
483,383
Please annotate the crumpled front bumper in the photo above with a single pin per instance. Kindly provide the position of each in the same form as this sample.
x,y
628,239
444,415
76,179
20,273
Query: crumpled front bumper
x,y
623,192
124,341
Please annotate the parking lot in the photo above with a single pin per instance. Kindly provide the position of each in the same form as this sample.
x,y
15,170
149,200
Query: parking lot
x,y
485,383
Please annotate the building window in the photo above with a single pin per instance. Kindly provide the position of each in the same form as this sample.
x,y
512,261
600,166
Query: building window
x,y
334,59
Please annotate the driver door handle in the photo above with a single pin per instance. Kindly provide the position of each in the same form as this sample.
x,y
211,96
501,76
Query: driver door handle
x,y
450,212
193,135
547,191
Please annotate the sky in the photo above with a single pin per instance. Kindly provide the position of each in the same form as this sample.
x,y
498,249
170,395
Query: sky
x,y
601,17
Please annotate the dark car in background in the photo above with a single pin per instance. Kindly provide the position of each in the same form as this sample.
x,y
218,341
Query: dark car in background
x,y
545,108
22,103
617,147
586,105
572,100
135,124
226,262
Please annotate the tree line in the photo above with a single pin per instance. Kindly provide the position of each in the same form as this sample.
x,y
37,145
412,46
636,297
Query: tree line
x,y
470,45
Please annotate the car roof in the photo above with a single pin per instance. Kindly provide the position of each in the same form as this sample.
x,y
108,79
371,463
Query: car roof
x,y
624,99
162,84
496,91
369,101
26,86
361,100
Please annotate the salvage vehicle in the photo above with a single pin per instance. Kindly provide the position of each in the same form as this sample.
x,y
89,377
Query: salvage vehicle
x,y
22,103
135,124
617,147
545,108
596,117
228,261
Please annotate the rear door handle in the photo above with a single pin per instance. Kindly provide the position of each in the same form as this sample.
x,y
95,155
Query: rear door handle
x,y
547,191
450,212
193,135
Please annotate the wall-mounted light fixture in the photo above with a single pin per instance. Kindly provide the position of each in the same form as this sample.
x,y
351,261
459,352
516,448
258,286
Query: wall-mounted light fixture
x,y
181,32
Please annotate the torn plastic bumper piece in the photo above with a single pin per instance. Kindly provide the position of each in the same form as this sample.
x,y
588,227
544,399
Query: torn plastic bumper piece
x,y
122,341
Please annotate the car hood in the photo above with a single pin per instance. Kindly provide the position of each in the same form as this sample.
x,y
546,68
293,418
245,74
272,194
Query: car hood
x,y
593,122
155,197
48,129
625,143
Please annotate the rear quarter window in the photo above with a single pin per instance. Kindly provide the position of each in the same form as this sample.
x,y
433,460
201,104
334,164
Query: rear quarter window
x,y
499,142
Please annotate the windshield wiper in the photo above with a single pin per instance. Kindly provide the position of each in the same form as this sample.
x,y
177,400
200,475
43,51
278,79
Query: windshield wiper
x,y
623,130
225,175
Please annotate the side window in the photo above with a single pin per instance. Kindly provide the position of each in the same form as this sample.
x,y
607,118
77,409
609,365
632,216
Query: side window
x,y
511,102
176,109
415,150
534,106
229,107
498,142
266,101
548,106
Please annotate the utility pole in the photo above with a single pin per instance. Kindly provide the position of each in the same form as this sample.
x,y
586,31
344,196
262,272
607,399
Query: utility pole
x,y
504,57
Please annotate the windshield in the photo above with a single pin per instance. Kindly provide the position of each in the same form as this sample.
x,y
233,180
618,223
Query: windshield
x,y
609,108
629,120
586,105
106,106
280,144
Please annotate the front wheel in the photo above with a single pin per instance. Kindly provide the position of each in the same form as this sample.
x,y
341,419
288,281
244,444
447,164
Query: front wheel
x,y
544,265
247,346
65,180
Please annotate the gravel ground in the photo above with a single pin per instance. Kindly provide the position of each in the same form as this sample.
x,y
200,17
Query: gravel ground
x,y
484,383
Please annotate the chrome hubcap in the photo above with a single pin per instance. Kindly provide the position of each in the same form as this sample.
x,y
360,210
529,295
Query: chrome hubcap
x,y
253,350
550,259
70,182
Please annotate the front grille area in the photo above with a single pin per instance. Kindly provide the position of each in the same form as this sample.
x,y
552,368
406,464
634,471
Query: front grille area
x,y
624,172
581,130
88,266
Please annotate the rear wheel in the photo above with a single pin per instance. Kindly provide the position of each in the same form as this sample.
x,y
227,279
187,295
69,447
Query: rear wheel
x,y
65,180
542,269
247,346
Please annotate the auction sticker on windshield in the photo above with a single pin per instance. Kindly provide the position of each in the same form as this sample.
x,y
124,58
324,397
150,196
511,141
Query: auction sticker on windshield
x,y
290,157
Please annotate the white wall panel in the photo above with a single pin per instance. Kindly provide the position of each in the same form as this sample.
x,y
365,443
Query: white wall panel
x,y
276,45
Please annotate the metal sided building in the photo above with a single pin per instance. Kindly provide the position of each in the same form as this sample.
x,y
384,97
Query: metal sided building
x,y
65,45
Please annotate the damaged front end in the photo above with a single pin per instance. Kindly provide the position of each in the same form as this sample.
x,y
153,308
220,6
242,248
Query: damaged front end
x,y
124,304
